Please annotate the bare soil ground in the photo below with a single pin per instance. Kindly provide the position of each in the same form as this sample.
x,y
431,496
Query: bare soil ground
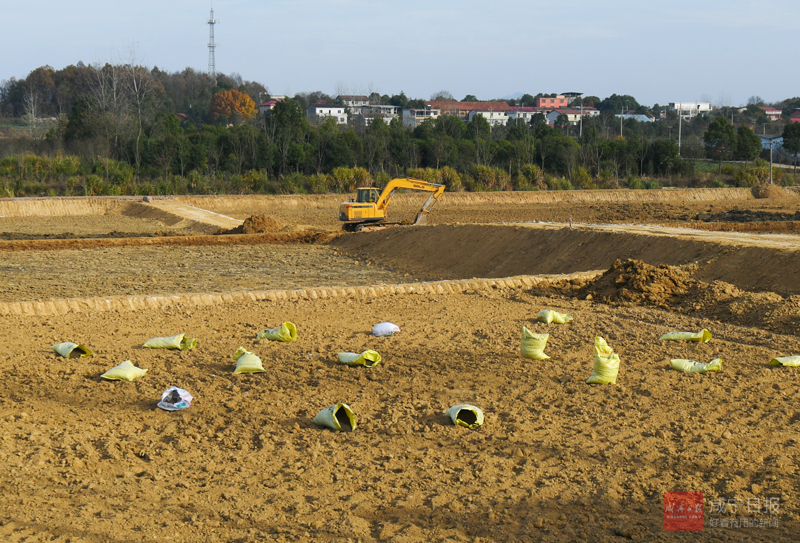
x,y
73,273
556,460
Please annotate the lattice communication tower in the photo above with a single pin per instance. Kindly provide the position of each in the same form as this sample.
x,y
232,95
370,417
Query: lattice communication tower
x,y
212,68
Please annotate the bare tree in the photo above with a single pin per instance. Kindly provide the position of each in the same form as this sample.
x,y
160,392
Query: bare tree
x,y
108,101
142,90
341,89
442,95
33,103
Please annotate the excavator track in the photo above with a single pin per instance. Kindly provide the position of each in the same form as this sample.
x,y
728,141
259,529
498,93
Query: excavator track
x,y
371,226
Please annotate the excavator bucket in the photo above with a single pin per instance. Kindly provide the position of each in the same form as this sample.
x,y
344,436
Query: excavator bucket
x,y
422,218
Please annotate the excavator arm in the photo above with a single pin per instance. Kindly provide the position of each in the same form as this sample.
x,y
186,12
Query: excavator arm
x,y
415,185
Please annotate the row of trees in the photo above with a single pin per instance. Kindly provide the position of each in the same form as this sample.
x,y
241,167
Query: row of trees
x,y
726,142
165,125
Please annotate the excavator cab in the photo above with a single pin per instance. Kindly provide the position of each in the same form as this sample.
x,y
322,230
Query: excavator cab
x,y
367,195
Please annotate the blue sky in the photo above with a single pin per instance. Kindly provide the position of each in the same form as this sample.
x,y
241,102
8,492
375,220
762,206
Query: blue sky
x,y
711,50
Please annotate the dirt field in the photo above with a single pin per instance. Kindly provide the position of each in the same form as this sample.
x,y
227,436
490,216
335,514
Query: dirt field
x,y
556,460
120,217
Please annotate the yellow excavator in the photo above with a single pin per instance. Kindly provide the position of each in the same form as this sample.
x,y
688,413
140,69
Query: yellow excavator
x,y
369,206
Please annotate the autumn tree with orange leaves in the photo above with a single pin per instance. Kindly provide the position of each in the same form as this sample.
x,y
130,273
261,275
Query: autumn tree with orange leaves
x,y
233,106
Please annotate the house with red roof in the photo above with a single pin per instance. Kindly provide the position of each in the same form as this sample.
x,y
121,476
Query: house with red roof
x,y
462,109
772,113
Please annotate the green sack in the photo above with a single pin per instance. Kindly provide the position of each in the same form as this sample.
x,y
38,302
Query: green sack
x,y
247,362
703,335
71,350
368,358
548,315
285,332
466,415
126,371
606,364
175,342
533,345
338,417
682,364
786,361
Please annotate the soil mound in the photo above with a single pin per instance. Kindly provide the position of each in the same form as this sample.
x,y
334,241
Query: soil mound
x,y
256,224
636,283
769,191
633,282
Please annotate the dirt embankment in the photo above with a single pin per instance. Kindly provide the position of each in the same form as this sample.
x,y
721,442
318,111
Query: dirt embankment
x,y
465,251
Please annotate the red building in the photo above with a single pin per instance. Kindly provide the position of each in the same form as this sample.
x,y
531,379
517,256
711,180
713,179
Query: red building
x,y
552,103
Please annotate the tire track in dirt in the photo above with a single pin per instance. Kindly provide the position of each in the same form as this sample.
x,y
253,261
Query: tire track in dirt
x,y
135,303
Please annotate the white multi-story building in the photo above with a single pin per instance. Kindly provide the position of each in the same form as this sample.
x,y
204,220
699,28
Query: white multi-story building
x,y
525,113
353,102
320,111
377,111
495,118
687,110
415,117
573,114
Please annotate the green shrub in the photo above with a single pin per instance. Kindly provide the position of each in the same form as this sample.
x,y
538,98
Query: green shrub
x,y
348,179
317,184
582,179
605,180
293,183
746,178
634,182
431,175
557,183
530,177
450,179
66,165
491,178
91,185
382,179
